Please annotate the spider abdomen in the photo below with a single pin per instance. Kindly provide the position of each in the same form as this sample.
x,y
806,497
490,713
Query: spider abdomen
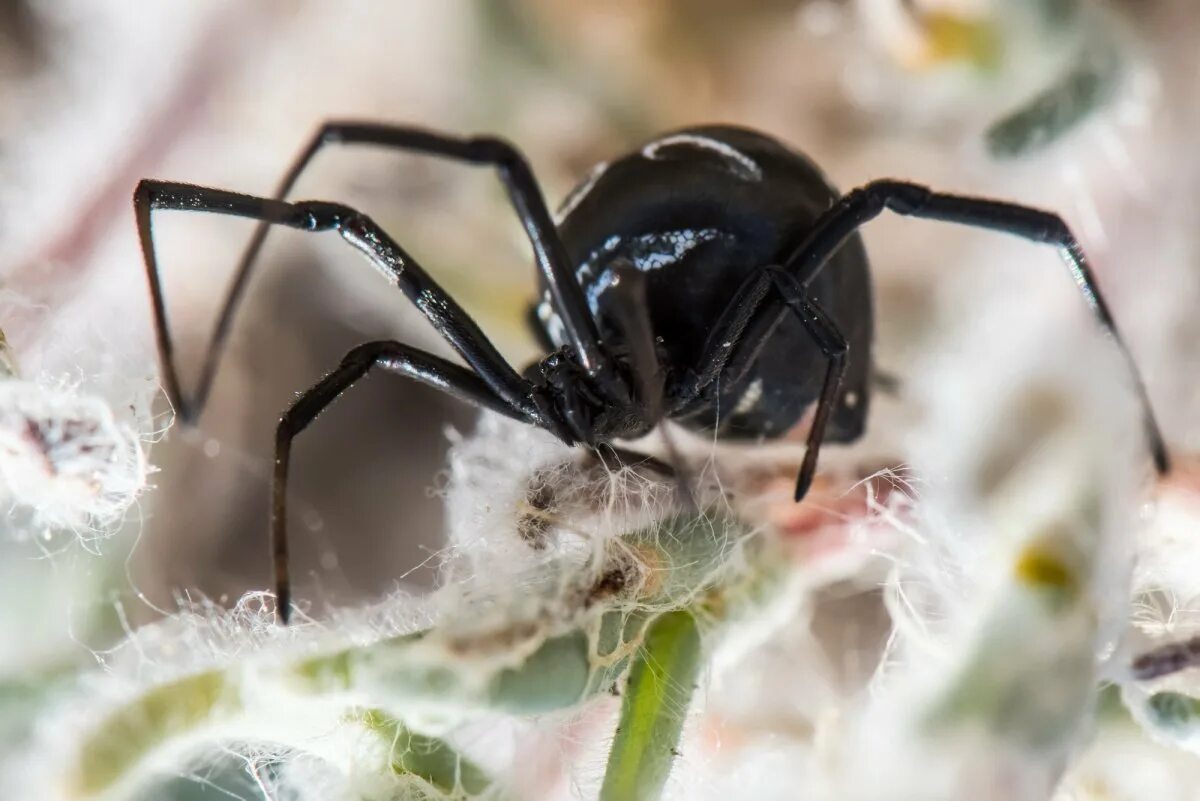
x,y
700,211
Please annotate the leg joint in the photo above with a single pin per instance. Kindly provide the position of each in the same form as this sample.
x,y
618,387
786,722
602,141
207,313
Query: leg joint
x,y
815,319
900,196
287,427
332,131
494,150
320,215
366,353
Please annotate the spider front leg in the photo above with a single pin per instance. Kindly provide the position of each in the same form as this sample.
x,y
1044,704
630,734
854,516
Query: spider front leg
x,y
401,270
731,351
631,314
524,194
912,200
829,339
387,355
491,382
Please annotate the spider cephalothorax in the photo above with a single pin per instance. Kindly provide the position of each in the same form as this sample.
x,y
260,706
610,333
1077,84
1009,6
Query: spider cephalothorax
x,y
580,407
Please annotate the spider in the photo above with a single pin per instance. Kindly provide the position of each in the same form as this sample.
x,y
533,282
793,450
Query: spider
x,y
686,281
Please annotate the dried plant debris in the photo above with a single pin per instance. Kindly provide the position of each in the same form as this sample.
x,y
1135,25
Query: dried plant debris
x,y
64,460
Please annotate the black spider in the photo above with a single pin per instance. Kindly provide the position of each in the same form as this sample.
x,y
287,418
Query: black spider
x,y
682,281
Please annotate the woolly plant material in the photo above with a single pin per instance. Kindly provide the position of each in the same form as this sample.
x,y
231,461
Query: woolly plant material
x,y
65,461
1159,687
1122,764
376,754
566,634
1018,586
76,414
1164,578
1156,669
425,758
519,500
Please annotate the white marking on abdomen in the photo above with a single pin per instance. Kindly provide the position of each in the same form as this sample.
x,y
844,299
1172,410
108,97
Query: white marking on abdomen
x,y
742,165
750,398
577,194
647,252
552,324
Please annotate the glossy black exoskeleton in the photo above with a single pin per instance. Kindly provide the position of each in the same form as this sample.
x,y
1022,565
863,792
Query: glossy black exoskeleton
x,y
712,277
699,213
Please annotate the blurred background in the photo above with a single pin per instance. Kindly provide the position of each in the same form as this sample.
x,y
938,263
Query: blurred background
x,y
1083,107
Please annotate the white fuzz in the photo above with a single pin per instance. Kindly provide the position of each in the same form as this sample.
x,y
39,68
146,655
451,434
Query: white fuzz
x,y
1004,558
1004,569
947,616
1123,765
64,461
554,626
1168,596
519,500
1017,590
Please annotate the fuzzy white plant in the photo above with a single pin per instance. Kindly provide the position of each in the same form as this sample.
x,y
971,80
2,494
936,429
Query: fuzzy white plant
x,y
65,462
76,418
992,592
1004,613
545,606
1005,583
1005,591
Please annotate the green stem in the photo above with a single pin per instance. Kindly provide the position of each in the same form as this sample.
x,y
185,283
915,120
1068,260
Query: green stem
x,y
653,710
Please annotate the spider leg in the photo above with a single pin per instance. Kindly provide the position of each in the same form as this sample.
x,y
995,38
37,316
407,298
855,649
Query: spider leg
x,y
736,339
523,192
386,355
632,317
732,352
631,314
734,345
400,269
831,342
912,200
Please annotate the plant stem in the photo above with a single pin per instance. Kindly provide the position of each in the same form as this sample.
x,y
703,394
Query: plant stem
x,y
653,710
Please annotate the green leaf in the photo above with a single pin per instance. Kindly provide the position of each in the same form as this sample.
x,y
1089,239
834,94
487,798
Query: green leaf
x,y
130,734
554,676
1059,108
425,757
1174,711
653,710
